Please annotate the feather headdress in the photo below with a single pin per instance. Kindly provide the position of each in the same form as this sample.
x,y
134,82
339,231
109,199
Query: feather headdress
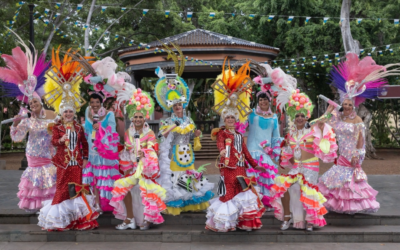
x,y
136,100
232,92
288,96
263,79
360,79
171,89
63,81
23,76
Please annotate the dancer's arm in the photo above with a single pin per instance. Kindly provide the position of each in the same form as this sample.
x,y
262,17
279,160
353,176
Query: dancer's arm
x,y
18,130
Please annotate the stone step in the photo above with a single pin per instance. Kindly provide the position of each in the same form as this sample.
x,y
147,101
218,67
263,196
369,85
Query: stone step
x,y
197,233
268,219
206,157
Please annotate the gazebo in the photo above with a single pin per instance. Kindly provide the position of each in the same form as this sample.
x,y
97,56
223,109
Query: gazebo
x,y
201,48
203,45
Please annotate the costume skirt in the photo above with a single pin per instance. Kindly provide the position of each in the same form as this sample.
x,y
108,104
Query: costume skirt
x,y
64,213
306,202
37,184
102,169
237,208
347,190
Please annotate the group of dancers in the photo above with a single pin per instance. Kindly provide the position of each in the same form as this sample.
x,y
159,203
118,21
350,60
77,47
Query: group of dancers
x,y
75,172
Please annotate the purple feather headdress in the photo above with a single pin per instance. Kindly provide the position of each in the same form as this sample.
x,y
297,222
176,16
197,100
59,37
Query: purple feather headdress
x,y
23,76
358,80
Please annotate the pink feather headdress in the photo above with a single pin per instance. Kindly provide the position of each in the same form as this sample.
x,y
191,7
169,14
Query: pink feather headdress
x,y
358,80
23,76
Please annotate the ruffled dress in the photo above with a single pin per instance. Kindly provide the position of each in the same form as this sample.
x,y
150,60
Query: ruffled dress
x,y
187,189
306,202
39,179
345,186
102,169
147,195
237,207
65,212
264,143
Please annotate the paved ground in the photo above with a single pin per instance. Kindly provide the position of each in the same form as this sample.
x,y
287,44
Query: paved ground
x,y
195,246
387,185
388,166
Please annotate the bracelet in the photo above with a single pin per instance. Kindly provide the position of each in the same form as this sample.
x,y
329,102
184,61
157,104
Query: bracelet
x,y
85,158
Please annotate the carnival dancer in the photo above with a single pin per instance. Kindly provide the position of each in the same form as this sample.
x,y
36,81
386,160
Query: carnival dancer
x,y
295,196
23,78
187,189
102,168
239,204
72,205
345,184
264,138
137,198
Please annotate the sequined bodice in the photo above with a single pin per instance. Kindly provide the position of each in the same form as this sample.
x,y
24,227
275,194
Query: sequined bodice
x,y
178,138
347,135
39,142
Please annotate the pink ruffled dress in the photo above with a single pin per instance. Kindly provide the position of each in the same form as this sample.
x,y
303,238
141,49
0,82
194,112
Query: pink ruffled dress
x,y
147,195
39,179
345,186
306,202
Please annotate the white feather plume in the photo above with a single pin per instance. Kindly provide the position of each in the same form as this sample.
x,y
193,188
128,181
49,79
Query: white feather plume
x,y
126,94
285,84
31,60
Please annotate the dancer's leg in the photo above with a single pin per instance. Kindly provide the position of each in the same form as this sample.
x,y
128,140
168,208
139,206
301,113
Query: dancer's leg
x,y
128,207
286,205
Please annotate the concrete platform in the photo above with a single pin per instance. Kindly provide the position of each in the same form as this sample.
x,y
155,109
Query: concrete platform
x,y
384,226
197,233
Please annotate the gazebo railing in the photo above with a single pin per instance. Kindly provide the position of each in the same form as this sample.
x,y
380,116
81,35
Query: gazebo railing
x,y
206,126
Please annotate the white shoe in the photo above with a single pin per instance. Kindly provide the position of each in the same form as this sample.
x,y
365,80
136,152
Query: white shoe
x,y
286,224
145,226
125,226
309,227
98,209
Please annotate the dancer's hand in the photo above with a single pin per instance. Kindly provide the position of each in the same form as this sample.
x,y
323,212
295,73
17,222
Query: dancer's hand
x,y
17,121
63,138
141,154
197,133
223,152
261,169
354,161
166,135
84,163
96,126
330,109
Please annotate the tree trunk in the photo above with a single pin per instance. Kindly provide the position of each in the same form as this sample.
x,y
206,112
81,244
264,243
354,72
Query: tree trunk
x,y
351,45
87,31
57,23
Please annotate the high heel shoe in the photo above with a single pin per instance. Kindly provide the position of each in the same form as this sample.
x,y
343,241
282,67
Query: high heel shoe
x,y
309,227
286,224
145,226
124,226
98,209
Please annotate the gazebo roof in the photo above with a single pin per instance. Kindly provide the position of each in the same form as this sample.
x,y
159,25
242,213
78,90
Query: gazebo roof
x,y
200,37
198,45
